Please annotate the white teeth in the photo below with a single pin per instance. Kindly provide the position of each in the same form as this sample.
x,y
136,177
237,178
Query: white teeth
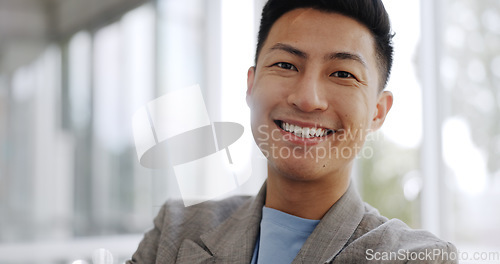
x,y
305,132
298,131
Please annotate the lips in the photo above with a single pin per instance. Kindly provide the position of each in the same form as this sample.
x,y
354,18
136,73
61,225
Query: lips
x,y
304,131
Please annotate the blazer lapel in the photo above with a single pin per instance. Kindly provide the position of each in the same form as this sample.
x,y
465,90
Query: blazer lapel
x,y
232,241
334,230
191,252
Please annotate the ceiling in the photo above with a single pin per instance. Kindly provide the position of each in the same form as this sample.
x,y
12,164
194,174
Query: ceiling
x,y
26,26
23,26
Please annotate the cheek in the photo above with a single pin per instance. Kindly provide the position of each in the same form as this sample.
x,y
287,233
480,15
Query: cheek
x,y
264,98
353,111
346,105
260,104
273,86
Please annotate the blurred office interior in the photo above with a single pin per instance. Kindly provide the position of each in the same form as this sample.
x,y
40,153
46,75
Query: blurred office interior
x,y
73,72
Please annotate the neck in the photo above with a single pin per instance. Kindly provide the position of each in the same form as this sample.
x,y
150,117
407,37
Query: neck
x,y
309,199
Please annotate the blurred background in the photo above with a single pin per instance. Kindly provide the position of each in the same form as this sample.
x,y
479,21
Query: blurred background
x,y
73,72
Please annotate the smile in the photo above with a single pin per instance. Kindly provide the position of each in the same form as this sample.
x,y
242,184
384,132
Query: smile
x,y
304,132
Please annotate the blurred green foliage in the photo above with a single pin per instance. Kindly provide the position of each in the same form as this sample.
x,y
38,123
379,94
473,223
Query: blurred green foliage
x,y
382,178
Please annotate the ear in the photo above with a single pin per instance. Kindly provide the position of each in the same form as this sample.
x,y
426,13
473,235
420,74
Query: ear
x,y
384,104
250,80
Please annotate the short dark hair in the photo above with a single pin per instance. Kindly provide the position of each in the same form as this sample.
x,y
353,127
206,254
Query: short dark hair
x,y
370,13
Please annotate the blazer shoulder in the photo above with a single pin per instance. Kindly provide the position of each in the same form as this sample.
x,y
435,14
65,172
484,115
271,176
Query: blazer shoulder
x,y
379,236
176,223
201,217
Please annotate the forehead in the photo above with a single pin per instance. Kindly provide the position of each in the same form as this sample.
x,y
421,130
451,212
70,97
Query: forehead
x,y
319,32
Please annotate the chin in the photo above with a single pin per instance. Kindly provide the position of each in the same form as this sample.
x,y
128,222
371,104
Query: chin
x,y
299,170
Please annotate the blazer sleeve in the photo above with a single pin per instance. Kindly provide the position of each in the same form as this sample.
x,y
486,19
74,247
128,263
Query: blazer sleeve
x,y
147,250
438,253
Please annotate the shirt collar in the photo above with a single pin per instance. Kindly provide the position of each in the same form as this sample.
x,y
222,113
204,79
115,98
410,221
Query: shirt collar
x,y
334,230
235,238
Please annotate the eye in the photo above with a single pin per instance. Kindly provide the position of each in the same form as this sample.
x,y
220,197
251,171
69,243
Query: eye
x,y
342,74
286,66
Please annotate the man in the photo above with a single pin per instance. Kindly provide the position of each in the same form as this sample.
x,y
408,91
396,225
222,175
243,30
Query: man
x,y
316,90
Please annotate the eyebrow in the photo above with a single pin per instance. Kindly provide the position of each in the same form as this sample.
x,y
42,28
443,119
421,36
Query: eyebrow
x,y
345,56
290,49
331,56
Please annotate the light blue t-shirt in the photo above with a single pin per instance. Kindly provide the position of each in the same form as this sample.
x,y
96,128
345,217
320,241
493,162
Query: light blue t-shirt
x,y
281,237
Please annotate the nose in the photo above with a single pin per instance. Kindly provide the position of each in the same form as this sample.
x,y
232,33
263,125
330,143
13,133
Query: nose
x,y
308,95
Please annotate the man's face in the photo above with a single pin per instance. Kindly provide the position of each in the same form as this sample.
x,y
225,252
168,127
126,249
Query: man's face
x,y
314,94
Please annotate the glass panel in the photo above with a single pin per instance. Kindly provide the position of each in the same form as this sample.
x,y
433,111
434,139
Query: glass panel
x,y
210,43
84,180
123,72
181,41
469,78
238,42
35,154
389,166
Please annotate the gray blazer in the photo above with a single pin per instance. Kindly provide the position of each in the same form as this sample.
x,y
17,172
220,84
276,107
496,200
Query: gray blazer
x,y
226,231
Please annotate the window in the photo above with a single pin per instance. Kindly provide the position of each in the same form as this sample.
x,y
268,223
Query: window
x,y
468,66
394,187
70,179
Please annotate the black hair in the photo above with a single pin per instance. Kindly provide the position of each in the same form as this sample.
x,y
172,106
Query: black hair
x,y
370,13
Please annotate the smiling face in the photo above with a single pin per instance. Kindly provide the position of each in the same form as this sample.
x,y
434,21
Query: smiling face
x,y
314,95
